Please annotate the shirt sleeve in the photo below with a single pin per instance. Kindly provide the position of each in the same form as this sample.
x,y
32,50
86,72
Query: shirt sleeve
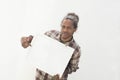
x,y
52,33
74,61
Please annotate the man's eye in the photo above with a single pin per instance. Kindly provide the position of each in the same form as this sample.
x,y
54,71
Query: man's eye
x,y
63,26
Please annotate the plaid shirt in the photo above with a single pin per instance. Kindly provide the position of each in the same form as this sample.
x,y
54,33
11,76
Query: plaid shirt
x,y
73,63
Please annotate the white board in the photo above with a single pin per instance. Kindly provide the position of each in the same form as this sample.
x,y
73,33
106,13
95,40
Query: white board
x,y
49,55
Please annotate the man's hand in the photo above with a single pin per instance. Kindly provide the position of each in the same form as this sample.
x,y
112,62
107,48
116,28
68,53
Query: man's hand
x,y
25,41
56,77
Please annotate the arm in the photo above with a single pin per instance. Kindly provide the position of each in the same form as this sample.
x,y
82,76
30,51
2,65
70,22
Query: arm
x,y
73,63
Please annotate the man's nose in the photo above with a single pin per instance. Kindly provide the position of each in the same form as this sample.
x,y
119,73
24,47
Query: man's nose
x,y
65,30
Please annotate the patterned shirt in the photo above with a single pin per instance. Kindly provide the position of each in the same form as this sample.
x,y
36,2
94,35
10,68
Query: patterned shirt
x,y
73,63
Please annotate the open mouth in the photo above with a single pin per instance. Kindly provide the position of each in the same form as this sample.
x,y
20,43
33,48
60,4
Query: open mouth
x,y
65,35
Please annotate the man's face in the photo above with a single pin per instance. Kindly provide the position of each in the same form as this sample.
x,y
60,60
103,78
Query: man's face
x,y
67,29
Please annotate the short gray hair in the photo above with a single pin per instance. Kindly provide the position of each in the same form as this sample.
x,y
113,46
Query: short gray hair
x,y
73,17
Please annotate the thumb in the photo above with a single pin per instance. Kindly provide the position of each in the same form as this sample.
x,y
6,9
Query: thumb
x,y
27,39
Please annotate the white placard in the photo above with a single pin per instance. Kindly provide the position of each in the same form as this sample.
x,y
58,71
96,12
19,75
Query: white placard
x,y
49,55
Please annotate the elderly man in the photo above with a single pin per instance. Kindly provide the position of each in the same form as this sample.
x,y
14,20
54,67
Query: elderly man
x,y
69,25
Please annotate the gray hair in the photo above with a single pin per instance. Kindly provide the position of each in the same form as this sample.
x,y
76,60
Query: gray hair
x,y
73,17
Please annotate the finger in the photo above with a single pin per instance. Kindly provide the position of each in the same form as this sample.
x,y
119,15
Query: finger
x,y
30,38
25,45
24,39
27,39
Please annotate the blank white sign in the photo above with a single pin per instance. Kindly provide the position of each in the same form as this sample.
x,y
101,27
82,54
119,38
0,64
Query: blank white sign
x,y
49,55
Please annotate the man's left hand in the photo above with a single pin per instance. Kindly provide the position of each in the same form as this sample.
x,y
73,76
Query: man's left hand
x,y
56,77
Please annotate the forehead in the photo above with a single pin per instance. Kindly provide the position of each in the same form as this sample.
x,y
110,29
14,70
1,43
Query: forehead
x,y
67,22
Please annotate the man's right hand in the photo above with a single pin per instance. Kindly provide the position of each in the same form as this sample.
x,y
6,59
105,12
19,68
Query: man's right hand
x,y
26,41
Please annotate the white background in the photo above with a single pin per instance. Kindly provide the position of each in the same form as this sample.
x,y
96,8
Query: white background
x,y
98,34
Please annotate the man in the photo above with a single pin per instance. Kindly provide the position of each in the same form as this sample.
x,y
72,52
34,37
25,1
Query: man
x,y
69,25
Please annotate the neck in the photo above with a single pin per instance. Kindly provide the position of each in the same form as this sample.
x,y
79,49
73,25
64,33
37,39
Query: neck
x,y
66,40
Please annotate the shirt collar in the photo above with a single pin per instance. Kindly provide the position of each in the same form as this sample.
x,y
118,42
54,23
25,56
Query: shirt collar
x,y
66,43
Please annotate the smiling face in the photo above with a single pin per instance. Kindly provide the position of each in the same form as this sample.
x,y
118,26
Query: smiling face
x,y
67,29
